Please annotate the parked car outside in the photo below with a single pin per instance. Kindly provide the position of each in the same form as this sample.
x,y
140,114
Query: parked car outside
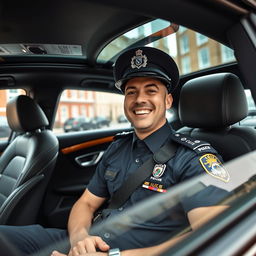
x,y
122,119
78,124
101,121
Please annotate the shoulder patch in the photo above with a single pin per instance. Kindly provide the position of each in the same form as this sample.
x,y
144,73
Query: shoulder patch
x,y
196,145
213,166
122,135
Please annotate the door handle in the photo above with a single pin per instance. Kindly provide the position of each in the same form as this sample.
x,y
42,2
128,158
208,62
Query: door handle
x,y
89,159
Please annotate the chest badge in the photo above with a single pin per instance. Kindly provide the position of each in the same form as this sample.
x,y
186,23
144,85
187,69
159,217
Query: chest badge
x,y
158,170
213,166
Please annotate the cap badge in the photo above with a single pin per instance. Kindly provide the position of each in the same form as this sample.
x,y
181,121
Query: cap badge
x,y
139,60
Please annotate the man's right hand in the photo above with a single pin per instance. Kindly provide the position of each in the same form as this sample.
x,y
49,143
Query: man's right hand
x,y
87,245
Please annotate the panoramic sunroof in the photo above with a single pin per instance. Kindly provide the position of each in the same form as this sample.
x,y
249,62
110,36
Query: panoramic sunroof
x,y
145,34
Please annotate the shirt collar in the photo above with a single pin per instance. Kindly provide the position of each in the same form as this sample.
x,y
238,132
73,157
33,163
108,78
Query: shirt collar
x,y
155,140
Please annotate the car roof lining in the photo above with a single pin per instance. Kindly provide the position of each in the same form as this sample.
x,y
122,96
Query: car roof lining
x,y
18,25
193,14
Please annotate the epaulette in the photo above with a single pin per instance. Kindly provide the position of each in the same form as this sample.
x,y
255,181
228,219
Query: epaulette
x,y
123,135
196,145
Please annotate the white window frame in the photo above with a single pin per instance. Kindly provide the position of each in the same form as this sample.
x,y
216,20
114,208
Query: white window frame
x,y
184,44
201,62
186,64
226,55
74,111
201,39
63,113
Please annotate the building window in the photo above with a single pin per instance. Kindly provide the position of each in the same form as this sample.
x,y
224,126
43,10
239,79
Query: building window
x,y
184,44
227,54
64,95
201,39
81,94
75,111
185,65
63,113
203,58
83,110
73,94
91,111
90,95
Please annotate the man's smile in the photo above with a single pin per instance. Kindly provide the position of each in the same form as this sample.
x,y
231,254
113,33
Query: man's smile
x,y
142,111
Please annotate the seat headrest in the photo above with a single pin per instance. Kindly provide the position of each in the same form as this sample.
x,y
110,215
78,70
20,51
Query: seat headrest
x,y
25,115
212,101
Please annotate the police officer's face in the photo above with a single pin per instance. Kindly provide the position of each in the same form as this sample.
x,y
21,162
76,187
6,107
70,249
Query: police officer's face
x,y
145,104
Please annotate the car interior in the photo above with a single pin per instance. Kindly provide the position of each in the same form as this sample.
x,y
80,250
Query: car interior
x,y
50,50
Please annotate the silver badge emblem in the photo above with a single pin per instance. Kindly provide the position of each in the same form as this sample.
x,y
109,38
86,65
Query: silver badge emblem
x,y
158,170
139,60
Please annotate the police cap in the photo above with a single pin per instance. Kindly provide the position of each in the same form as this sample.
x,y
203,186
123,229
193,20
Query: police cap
x,y
146,62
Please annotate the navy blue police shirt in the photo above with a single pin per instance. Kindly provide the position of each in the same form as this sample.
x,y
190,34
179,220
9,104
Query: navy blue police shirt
x,y
123,157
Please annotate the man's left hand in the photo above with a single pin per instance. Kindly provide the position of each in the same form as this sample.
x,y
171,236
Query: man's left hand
x,y
56,253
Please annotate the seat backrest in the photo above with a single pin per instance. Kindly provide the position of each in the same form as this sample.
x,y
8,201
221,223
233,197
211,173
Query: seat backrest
x,y
209,108
27,162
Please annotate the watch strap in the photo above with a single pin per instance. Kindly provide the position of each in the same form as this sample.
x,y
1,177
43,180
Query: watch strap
x,y
114,252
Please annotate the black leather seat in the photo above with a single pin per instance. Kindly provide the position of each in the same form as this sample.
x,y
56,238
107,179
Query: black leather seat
x,y
210,106
27,163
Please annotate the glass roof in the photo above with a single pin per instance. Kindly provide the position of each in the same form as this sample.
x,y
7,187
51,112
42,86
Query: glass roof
x,y
190,50
147,34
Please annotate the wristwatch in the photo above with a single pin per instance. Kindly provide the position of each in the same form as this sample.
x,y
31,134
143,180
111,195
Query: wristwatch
x,y
114,252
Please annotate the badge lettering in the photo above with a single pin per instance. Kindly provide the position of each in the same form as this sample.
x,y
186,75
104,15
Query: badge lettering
x,y
204,148
157,179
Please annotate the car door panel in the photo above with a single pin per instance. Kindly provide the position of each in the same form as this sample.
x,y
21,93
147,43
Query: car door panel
x,y
77,161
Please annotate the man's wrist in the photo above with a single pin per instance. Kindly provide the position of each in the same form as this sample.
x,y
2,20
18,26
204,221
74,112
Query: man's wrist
x,y
76,236
114,252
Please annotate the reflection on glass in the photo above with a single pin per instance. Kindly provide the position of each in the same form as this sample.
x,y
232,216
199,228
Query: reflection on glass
x,y
224,186
227,186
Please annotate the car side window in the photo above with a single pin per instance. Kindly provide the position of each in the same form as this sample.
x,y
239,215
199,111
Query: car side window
x,y
82,110
250,120
5,96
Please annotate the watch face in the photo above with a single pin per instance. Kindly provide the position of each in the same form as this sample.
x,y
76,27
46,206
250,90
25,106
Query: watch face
x,y
114,252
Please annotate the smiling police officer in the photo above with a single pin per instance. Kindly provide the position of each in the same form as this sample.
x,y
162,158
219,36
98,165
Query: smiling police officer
x,y
147,77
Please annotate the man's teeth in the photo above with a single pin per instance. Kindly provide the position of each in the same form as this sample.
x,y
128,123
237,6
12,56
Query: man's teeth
x,y
142,112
